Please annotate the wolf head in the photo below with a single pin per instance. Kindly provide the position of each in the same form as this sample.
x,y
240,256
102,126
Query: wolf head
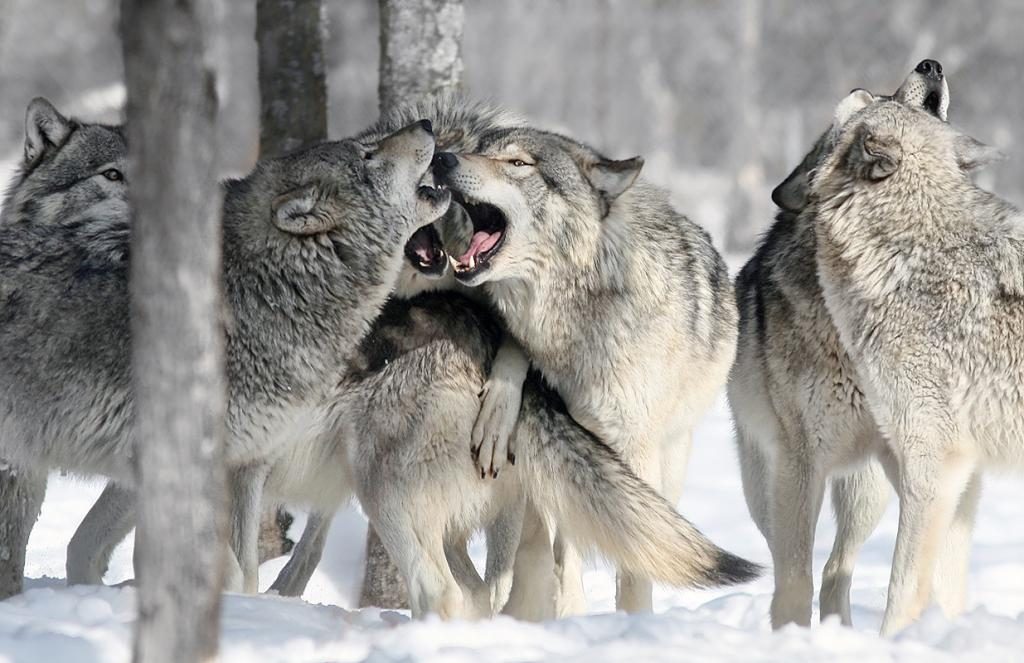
x,y
513,188
889,150
925,88
330,198
71,171
459,125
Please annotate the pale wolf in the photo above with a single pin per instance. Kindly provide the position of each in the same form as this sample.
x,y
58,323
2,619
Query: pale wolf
x,y
621,303
406,414
923,275
408,405
799,409
313,242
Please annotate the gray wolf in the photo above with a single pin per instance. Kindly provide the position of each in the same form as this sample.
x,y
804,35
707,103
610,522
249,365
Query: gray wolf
x,y
313,242
620,302
923,275
408,408
796,399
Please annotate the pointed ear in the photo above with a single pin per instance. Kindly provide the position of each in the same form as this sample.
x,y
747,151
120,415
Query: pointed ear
x,y
613,178
879,156
791,195
45,129
301,212
852,103
972,154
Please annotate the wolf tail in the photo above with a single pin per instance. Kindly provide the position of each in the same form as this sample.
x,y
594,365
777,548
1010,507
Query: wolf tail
x,y
596,499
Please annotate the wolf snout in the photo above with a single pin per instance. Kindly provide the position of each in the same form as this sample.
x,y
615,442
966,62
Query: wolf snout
x,y
444,162
930,69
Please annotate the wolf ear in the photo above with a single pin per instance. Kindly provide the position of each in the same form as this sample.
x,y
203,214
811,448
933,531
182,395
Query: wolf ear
x,y
880,156
613,178
301,212
972,154
45,128
857,100
791,195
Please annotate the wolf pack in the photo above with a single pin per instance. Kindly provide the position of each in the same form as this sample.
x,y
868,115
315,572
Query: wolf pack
x,y
470,324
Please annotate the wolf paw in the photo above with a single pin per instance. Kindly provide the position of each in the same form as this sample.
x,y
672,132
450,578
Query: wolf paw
x,y
492,433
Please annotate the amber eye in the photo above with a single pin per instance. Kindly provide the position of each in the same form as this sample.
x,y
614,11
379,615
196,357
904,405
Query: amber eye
x,y
113,174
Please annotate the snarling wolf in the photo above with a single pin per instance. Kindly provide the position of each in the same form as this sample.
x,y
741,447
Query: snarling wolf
x,y
312,244
620,302
407,410
798,404
923,275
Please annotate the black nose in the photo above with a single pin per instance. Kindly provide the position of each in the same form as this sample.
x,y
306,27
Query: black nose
x,y
444,162
427,126
929,68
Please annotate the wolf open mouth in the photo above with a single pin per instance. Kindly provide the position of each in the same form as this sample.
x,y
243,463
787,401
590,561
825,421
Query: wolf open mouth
x,y
489,226
424,250
932,101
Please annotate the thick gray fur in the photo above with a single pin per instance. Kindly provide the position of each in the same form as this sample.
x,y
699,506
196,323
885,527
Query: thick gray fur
x,y
799,407
923,275
622,303
313,242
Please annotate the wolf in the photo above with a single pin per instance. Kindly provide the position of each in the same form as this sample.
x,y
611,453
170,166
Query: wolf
x,y
410,400
312,243
621,303
798,406
412,403
923,275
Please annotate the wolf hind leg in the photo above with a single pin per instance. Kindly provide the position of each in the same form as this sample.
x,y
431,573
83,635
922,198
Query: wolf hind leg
x,y
503,535
305,557
108,522
798,488
951,570
532,596
859,501
420,555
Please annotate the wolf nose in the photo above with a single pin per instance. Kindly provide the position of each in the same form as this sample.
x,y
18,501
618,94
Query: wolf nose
x,y
445,161
929,68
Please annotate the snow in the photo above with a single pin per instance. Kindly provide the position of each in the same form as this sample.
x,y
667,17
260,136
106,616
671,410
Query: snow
x,y
50,621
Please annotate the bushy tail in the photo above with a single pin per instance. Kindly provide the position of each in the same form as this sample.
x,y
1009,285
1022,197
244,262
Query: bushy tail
x,y
599,502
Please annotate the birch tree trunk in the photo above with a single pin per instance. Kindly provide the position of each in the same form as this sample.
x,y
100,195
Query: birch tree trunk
x,y
420,57
21,497
293,114
293,91
177,331
420,49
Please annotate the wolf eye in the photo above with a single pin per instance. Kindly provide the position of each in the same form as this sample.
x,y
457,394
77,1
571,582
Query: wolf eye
x,y
519,163
113,174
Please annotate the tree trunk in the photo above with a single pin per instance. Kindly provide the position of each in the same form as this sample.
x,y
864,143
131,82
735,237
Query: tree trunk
x,y
420,57
383,586
293,114
177,331
420,49
21,496
293,92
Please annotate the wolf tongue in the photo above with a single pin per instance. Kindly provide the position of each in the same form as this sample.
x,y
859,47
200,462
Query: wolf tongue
x,y
482,241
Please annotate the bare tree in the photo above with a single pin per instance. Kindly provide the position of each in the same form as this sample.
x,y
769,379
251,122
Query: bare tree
x,y
177,331
420,57
293,114
420,49
21,496
293,92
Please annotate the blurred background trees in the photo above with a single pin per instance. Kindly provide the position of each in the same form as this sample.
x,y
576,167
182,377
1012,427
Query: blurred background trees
x,y
722,98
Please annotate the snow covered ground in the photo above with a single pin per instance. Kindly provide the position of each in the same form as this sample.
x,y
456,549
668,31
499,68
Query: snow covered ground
x,y
51,622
